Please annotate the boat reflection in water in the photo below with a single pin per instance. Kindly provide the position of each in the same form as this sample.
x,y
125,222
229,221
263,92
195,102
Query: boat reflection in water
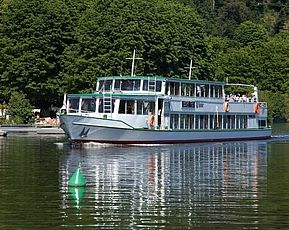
x,y
180,186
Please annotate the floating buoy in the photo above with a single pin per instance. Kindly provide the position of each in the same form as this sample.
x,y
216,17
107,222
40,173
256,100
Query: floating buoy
x,y
77,179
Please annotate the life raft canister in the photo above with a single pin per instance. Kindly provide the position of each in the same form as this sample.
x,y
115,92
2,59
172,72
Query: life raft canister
x,y
257,107
226,107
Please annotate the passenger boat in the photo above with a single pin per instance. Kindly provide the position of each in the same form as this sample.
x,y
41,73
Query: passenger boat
x,y
156,110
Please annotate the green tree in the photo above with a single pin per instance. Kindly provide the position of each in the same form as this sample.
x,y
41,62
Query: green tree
x,y
278,105
166,35
250,34
230,15
273,64
20,109
33,36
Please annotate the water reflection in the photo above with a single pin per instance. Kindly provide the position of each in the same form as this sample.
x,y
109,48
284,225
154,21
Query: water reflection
x,y
155,187
77,194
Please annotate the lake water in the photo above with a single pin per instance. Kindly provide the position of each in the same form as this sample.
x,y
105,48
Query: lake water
x,y
230,185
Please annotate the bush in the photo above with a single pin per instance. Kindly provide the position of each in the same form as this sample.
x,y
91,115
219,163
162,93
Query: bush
x,y
20,109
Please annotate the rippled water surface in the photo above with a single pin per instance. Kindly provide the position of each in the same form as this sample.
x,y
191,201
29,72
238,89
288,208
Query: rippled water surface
x,y
231,185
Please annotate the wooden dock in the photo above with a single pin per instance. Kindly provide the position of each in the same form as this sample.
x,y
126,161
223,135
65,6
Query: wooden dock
x,y
3,133
30,130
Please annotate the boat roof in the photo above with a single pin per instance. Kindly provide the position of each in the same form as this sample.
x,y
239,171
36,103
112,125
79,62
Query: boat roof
x,y
114,94
174,79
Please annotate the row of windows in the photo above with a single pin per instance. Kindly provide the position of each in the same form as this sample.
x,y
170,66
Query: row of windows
x,y
190,121
194,90
130,85
142,107
172,88
87,105
107,105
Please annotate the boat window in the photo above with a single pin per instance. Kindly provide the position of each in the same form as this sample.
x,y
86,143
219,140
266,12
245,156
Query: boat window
x,y
88,105
232,122
167,89
219,91
100,106
122,107
145,85
126,85
213,91
130,107
211,119
216,91
189,121
189,104
188,90
167,108
145,107
229,122
184,89
130,85
100,85
206,91
203,121
241,121
174,121
152,85
73,105
202,90
262,123
225,122
136,86
175,88
108,85
182,121
126,107
139,109
158,86
116,84
192,90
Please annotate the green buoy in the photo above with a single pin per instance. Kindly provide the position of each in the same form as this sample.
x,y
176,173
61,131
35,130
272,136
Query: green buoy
x,y
77,179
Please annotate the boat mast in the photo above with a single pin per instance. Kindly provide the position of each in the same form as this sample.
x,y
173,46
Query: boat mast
x,y
190,69
132,64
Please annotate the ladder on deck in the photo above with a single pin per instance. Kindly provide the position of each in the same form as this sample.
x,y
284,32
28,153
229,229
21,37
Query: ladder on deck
x,y
152,84
107,103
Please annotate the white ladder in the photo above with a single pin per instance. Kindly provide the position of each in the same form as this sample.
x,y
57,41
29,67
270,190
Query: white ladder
x,y
107,103
152,84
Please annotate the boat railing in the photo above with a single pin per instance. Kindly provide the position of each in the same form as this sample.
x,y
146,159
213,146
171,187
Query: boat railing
x,y
240,99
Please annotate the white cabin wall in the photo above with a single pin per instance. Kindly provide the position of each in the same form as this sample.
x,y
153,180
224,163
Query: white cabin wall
x,y
252,123
137,121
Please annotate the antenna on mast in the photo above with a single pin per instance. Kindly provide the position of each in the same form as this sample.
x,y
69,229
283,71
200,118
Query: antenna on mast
x,y
133,61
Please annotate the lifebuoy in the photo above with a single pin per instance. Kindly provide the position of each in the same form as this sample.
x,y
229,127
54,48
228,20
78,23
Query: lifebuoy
x,y
257,107
226,106
152,120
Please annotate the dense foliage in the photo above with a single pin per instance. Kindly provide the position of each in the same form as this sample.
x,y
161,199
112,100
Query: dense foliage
x,y
20,109
51,46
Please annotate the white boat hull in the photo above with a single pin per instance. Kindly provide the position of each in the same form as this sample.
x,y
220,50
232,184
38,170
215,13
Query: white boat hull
x,y
88,129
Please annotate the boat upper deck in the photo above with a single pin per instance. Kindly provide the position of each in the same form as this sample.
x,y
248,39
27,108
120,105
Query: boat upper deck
x,y
148,85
